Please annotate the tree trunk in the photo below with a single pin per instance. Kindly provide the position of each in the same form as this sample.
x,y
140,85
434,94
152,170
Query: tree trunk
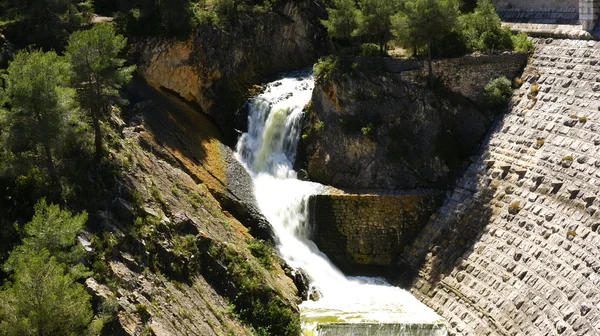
x,y
429,58
97,136
50,162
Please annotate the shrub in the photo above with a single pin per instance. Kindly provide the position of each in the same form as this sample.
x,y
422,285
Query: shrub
x,y
567,158
534,89
369,50
514,207
367,130
453,44
253,302
518,82
521,42
263,252
495,40
583,119
319,125
325,66
497,93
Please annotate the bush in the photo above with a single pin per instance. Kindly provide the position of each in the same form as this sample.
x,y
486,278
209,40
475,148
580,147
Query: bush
x,y
514,207
325,66
521,42
369,50
263,252
497,93
319,125
495,40
452,45
253,301
367,130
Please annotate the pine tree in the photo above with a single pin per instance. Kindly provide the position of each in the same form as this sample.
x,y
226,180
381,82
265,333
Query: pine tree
x,y
40,102
423,22
43,299
343,19
374,20
99,72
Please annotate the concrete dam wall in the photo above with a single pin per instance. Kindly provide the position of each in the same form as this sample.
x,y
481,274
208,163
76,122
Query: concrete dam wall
x,y
515,249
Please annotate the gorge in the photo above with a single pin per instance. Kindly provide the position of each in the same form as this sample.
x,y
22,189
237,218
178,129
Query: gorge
x,y
250,168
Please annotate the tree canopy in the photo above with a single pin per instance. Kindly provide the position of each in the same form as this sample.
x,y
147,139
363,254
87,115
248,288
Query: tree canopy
x,y
343,19
52,229
40,103
42,299
99,72
423,22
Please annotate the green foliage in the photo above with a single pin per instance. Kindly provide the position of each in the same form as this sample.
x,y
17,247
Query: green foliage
x,y
142,311
156,17
41,105
375,21
325,67
44,23
425,22
497,93
42,299
319,125
369,50
367,130
482,28
254,302
522,43
99,72
342,21
263,252
52,229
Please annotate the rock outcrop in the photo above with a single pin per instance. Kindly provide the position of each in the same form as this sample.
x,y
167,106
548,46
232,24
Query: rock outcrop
x,y
177,249
370,129
217,66
514,250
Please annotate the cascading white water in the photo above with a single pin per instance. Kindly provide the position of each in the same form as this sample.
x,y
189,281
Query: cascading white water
x,y
268,151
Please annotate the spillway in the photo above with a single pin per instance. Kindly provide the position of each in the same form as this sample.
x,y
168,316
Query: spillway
x,y
347,305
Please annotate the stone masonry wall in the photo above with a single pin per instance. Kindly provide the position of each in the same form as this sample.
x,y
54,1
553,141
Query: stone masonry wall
x,y
468,75
370,229
515,249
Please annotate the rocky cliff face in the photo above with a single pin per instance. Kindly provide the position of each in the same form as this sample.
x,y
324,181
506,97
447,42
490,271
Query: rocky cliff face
x,y
216,66
375,126
374,130
177,251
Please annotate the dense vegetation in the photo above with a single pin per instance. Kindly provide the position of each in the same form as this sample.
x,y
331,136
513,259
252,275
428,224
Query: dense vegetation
x,y
435,27
51,105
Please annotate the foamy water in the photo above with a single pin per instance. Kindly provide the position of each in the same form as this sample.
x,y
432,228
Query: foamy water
x,y
268,151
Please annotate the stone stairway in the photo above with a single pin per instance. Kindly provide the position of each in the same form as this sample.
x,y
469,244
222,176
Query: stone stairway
x,y
515,250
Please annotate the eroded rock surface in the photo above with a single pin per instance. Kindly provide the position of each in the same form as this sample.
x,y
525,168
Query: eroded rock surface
x,y
176,256
216,66
370,130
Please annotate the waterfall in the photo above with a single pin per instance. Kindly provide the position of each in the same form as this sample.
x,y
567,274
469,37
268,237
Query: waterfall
x,y
268,151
